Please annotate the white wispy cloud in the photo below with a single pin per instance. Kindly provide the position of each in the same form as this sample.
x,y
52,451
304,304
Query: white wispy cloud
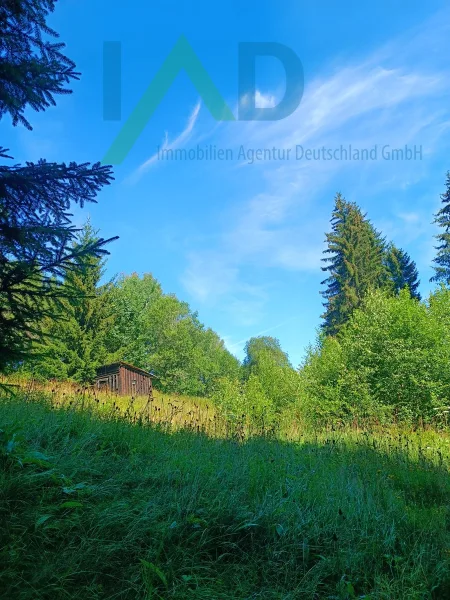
x,y
264,100
181,139
261,100
211,275
389,98
378,107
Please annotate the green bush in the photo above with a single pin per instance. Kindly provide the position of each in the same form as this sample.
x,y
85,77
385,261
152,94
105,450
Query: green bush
x,y
266,360
245,403
391,361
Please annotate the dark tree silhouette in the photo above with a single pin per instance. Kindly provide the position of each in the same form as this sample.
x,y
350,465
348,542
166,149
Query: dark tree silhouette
x,y
36,234
354,257
442,218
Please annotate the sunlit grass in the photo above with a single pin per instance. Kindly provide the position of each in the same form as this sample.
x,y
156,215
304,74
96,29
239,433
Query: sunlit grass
x,y
171,410
99,503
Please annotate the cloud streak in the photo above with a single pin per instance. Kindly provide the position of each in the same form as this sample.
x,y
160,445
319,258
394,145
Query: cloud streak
x,y
181,139
383,99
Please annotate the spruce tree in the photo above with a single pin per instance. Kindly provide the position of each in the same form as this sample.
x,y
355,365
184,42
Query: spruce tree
x,y
75,334
32,68
355,264
402,271
36,234
442,259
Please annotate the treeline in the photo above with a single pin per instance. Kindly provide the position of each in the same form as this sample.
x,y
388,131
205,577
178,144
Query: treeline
x,y
267,386
389,363
130,319
358,260
382,354
58,318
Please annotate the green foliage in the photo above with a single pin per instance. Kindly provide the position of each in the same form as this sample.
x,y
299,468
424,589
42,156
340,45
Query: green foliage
x,y
355,264
390,360
332,394
32,69
245,402
36,234
130,338
402,350
266,361
402,271
228,396
37,245
268,386
131,320
260,407
442,219
158,332
76,332
258,348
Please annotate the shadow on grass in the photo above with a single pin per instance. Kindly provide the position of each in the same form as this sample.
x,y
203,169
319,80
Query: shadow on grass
x,y
95,509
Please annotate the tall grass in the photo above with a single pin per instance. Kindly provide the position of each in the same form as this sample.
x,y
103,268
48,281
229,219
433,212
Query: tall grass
x,y
95,506
171,412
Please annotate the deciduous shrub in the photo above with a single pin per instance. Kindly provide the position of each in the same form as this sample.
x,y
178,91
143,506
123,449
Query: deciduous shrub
x,y
391,361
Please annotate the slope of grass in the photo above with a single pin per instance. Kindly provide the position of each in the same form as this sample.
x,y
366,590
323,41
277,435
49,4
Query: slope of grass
x,y
94,508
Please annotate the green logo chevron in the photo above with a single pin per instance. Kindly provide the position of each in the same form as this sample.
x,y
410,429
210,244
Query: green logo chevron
x,y
182,56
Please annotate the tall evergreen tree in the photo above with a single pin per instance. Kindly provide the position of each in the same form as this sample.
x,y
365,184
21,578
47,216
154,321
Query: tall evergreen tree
x,y
355,264
32,68
402,271
442,259
76,333
36,233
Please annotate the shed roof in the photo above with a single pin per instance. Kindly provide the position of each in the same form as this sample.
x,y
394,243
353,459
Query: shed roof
x,y
129,366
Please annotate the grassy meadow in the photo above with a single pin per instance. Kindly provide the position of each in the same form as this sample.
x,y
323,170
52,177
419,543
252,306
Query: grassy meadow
x,y
101,500
250,478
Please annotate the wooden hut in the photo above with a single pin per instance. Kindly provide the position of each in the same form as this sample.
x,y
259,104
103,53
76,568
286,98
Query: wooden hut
x,y
124,379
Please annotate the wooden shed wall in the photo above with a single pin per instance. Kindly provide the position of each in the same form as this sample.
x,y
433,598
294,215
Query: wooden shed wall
x,y
133,383
108,377
124,380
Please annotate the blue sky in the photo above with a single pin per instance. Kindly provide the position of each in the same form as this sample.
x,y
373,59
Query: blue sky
x,y
242,242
